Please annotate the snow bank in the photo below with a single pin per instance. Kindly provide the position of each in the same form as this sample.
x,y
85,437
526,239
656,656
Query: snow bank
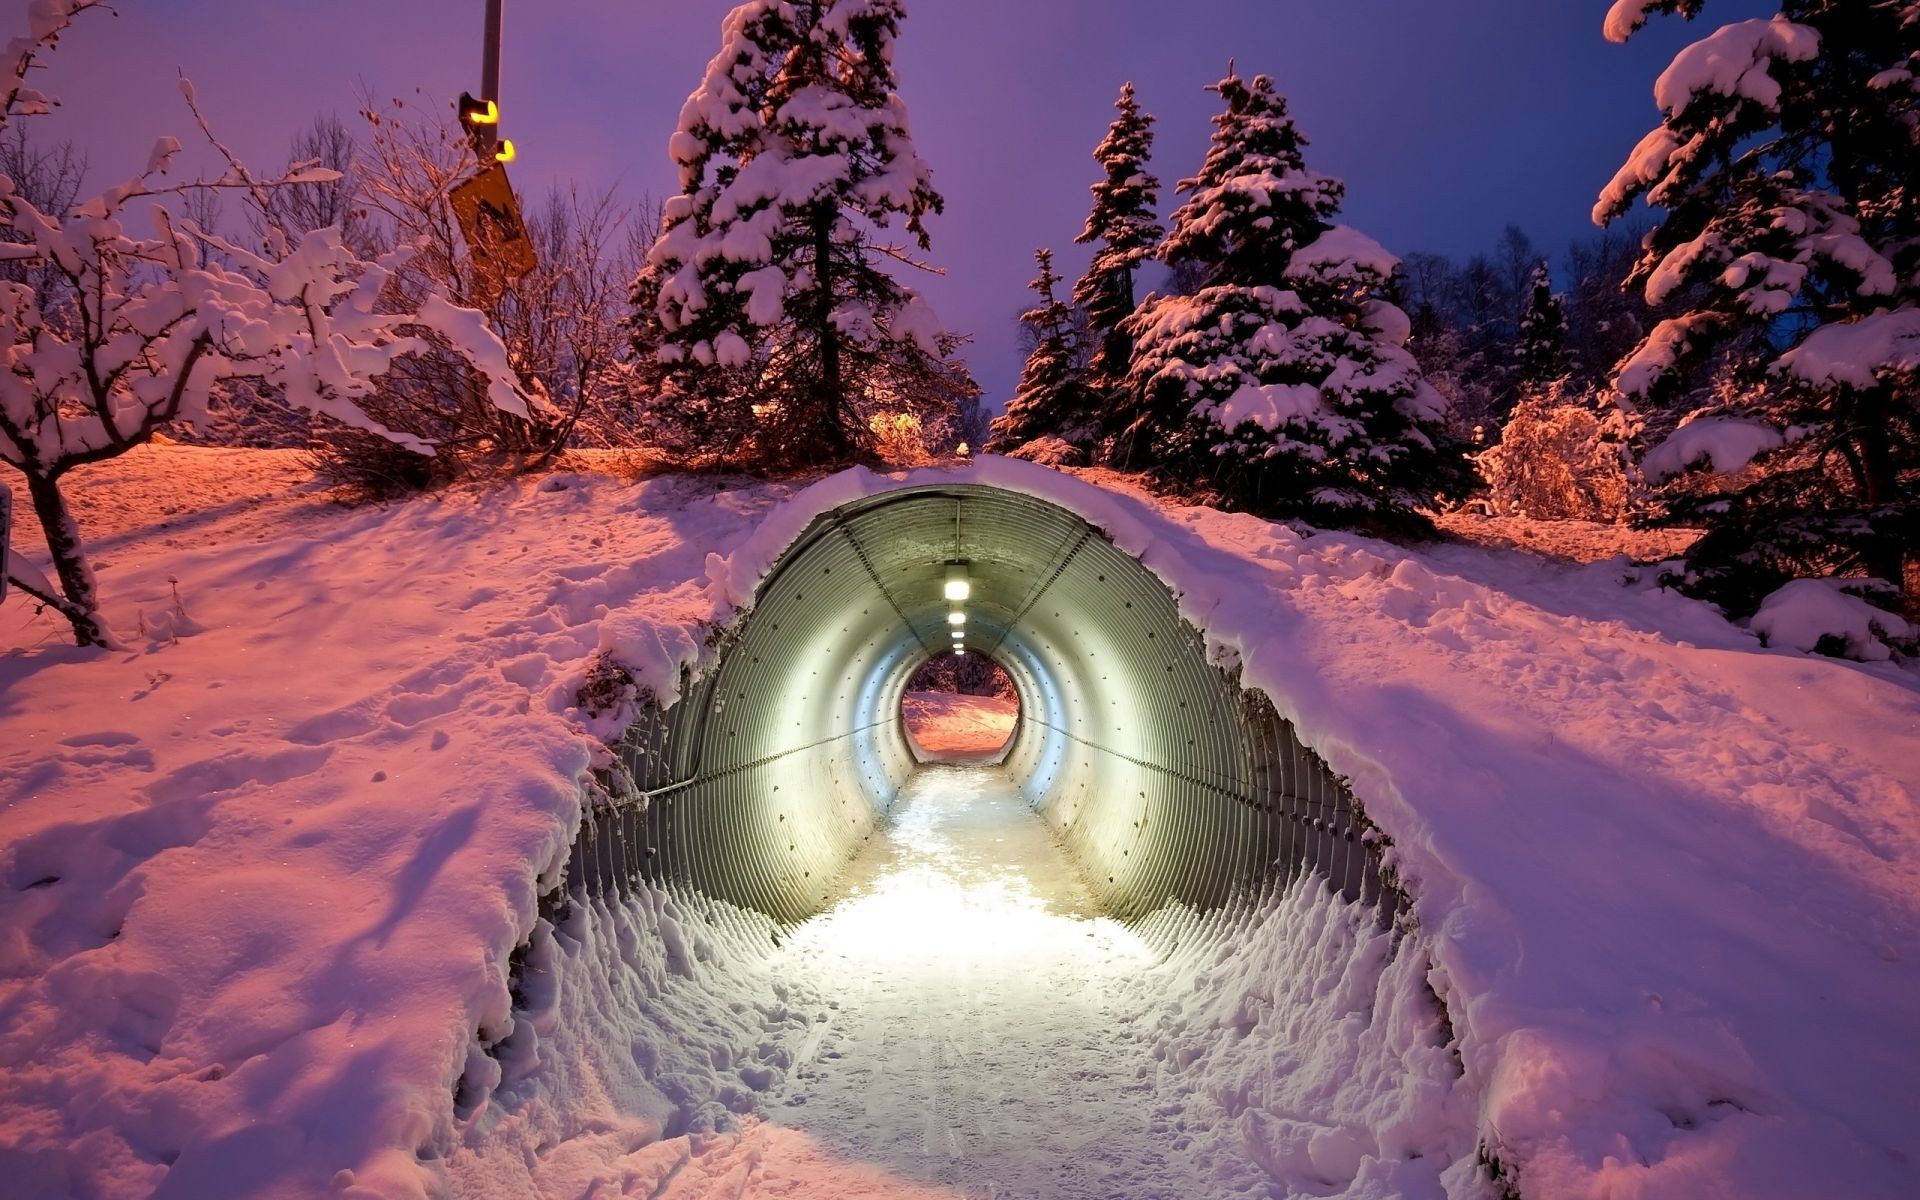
x,y
653,1024
260,877
1807,612
1292,1042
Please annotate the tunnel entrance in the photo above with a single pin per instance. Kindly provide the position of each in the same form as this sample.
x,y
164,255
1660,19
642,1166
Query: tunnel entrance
x,y
1164,779
960,708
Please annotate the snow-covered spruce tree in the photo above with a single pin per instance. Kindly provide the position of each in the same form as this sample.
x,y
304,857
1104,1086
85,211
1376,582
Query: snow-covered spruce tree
x,y
1543,333
1053,399
1784,172
1125,228
1282,385
773,328
111,334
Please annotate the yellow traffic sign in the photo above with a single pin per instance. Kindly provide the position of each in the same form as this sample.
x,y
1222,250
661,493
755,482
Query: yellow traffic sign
x,y
490,220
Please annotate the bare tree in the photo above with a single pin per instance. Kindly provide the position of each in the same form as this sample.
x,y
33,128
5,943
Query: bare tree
x,y
327,143
561,322
131,331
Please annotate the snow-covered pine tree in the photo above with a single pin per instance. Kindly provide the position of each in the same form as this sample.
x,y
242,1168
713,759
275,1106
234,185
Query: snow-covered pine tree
x,y
1054,399
774,328
1543,334
1125,227
1283,385
1784,173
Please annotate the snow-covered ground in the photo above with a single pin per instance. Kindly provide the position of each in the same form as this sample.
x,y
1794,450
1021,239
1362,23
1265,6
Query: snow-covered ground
x,y
260,875
1572,541
953,725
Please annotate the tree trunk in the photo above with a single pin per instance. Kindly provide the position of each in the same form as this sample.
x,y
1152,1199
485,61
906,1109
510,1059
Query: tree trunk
x,y
81,602
827,398
1886,557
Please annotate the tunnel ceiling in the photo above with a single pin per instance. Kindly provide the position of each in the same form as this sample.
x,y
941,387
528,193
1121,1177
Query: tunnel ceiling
x,y
1165,779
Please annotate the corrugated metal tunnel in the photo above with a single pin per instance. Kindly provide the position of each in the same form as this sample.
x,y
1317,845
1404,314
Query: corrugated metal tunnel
x,y
1165,779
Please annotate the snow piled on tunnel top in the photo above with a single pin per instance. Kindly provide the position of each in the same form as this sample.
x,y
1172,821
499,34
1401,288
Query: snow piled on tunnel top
x,y
262,874
1670,879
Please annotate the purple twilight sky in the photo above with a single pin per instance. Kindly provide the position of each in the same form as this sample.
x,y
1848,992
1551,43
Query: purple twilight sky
x,y
1447,120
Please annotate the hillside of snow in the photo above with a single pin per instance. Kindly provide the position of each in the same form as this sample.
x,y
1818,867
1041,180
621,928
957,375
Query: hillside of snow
x,y
954,725
261,875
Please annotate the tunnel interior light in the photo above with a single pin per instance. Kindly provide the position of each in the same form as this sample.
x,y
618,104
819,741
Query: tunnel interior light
x,y
956,617
958,635
957,586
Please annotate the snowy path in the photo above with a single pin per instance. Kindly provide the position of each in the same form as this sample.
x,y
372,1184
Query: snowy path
x,y
977,1041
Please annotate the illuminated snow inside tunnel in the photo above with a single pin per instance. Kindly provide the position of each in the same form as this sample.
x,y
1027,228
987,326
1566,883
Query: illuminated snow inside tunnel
x,y
1164,780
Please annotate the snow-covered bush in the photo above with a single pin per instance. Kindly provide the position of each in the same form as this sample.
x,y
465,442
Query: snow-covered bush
x,y
1558,458
1283,385
768,327
1833,617
115,332
1051,452
1788,252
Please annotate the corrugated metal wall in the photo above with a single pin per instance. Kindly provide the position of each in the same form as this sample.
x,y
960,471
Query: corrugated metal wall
x,y
1165,778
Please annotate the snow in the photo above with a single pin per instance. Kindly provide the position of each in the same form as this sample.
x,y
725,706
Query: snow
x,y
1627,16
1271,405
1568,541
953,725
1726,444
1736,60
1648,163
263,872
1656,357
1805,612
1858,353
261,880
1343,253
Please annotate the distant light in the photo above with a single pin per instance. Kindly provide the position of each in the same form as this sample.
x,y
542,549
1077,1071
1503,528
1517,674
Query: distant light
x,y
957,586
959,635
959,651
956,617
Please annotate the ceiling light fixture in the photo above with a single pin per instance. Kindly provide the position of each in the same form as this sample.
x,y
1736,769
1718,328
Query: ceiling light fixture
x,y
957,586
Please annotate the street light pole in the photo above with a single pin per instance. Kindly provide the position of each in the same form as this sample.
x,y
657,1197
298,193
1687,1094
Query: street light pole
x,y
490,53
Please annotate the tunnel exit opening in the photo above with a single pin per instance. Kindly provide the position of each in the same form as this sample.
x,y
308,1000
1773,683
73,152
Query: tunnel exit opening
x,y
1164,779
960,708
